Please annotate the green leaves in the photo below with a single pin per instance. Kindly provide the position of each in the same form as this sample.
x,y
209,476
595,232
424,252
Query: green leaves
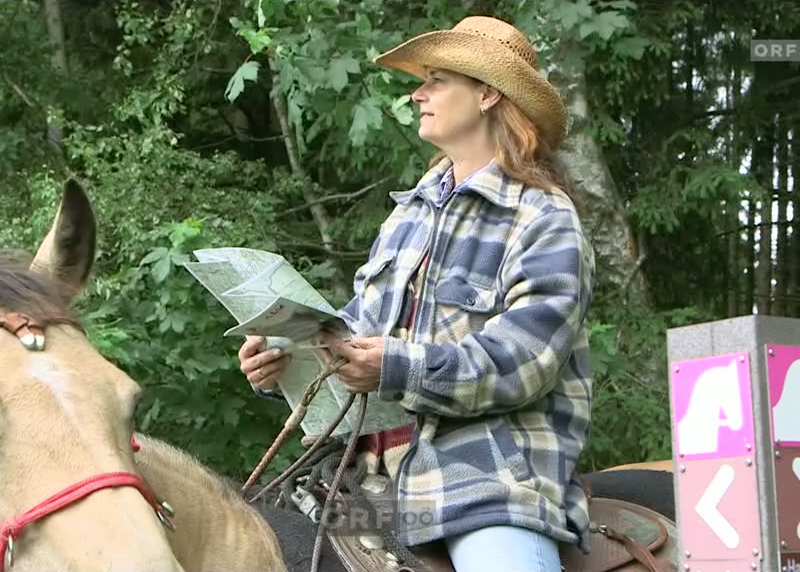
x,y
401,109
573,14
337,73
604,24
160,262
583,19
631,47
248,71
366,115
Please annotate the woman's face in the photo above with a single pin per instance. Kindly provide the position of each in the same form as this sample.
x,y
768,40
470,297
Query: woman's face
x,y
449,106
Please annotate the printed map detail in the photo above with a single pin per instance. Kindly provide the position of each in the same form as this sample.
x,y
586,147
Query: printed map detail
x,y
268,297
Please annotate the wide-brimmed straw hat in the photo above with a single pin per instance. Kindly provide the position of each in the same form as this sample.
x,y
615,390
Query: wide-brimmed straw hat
x,y
493,52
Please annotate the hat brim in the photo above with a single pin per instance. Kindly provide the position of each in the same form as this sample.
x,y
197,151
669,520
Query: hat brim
x,y
488,61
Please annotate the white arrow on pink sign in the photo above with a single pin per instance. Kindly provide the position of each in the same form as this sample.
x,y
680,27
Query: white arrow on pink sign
x,y
719,511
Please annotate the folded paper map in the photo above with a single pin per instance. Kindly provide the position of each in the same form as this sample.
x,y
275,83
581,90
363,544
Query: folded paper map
x,y
268,297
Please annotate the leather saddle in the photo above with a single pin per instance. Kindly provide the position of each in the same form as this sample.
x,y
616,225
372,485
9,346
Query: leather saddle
x,y
626,538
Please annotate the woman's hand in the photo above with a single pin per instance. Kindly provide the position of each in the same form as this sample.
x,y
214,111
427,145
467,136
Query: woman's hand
x,y
262,366
362,373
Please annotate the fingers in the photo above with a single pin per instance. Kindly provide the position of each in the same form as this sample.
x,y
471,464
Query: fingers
x,y
260,360
251,346
266,376
347,350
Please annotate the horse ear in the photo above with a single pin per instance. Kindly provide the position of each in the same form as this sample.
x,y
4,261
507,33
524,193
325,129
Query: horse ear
x,y
67,252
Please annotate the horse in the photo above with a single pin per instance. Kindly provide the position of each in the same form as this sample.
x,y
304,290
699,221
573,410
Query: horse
x,y
71,498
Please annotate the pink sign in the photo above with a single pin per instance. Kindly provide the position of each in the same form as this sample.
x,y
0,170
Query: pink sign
x,y
783,375
719,516
712,412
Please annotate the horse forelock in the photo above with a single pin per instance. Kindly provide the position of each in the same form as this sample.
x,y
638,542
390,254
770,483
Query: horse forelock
x,y
36,295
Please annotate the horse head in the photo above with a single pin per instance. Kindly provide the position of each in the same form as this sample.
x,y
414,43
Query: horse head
x,y
70,496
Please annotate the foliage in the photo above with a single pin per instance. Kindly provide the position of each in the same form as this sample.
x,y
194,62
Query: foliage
x,y
171,113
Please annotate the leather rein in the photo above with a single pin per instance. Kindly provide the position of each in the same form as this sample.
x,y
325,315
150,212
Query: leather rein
x,y
291,424
32,335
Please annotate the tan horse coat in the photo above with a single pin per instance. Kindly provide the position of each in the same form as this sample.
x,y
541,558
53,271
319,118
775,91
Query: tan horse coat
x,y
65,416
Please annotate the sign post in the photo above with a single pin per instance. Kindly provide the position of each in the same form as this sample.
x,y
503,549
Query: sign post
x,y
735,413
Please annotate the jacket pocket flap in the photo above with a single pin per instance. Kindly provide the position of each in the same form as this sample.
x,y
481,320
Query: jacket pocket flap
x,y
459,292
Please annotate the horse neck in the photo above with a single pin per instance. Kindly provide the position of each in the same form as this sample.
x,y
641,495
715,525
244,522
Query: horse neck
x,y
214,528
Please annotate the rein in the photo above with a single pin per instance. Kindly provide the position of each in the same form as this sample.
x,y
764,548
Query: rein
x,y
31,335
292,423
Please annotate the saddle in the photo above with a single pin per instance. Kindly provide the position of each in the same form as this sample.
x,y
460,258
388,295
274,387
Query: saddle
x,y
625,538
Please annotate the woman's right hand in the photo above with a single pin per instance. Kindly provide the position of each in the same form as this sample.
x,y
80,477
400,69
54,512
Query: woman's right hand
x,y
261,365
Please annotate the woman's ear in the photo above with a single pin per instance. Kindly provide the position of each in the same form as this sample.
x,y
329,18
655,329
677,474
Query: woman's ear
x,y
489,97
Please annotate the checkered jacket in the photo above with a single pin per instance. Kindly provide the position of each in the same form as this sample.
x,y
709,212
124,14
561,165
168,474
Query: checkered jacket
x,y
496,366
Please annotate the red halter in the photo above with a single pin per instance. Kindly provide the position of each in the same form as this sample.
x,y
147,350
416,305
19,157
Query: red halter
x,y
12,528
31,334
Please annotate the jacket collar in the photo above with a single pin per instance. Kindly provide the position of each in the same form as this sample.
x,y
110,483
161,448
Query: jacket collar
x,y
489,182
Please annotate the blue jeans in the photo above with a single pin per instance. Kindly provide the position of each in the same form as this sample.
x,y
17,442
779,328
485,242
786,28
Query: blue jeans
x,y
504,549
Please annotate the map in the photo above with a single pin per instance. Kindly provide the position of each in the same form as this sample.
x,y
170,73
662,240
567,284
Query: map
x,y
268,297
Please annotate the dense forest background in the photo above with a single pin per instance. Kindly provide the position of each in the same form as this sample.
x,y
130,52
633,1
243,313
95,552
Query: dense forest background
x,y
262,123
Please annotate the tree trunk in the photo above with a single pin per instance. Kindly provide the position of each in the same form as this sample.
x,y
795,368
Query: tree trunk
x,y
783,261
55,29
318,211
619,260
733,208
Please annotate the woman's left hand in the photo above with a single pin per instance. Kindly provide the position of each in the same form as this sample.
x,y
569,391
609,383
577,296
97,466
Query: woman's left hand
x,y
362,373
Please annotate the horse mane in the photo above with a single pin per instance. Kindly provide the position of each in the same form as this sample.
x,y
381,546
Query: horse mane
x,y
214,483
36,295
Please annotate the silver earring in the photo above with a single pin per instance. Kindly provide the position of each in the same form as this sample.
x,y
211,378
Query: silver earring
x,y
483,111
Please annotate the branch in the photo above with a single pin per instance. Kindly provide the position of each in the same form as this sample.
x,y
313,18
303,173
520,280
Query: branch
x,y
336,197
317,210
296,241
634,271
21,94
637,266
244,138
208,33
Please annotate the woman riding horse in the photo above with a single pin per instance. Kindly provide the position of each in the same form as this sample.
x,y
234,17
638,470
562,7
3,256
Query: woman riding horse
x,y
471,312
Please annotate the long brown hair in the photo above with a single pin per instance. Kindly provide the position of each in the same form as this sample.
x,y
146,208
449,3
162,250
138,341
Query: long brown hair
x,y
522,155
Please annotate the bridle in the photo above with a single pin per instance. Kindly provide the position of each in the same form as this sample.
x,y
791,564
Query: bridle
x,y
31,334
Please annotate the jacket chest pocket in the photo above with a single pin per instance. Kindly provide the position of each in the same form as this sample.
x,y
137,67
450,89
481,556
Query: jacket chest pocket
x,y
462,307
374,276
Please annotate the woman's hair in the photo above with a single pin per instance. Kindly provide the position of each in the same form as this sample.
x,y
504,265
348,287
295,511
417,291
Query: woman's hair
x,y
522,155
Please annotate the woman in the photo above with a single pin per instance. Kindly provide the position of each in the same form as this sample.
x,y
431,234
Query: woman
x,y
471,310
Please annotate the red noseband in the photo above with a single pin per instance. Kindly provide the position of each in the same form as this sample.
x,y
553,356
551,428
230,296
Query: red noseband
x,y
12,528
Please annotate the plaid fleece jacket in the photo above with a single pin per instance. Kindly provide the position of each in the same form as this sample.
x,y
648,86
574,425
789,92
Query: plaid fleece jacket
x,y
497,365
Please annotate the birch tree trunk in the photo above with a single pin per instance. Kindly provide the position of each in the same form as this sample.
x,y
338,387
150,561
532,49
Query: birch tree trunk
x,y
619,259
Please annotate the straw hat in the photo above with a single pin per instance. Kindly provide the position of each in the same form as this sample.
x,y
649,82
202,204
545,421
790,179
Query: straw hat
x,y
491,51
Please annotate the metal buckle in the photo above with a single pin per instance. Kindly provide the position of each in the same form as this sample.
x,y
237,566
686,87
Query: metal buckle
x,y
8,557
165,513
307,503
601,528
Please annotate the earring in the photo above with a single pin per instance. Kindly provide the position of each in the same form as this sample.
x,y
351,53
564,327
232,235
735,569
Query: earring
x,y
483,111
